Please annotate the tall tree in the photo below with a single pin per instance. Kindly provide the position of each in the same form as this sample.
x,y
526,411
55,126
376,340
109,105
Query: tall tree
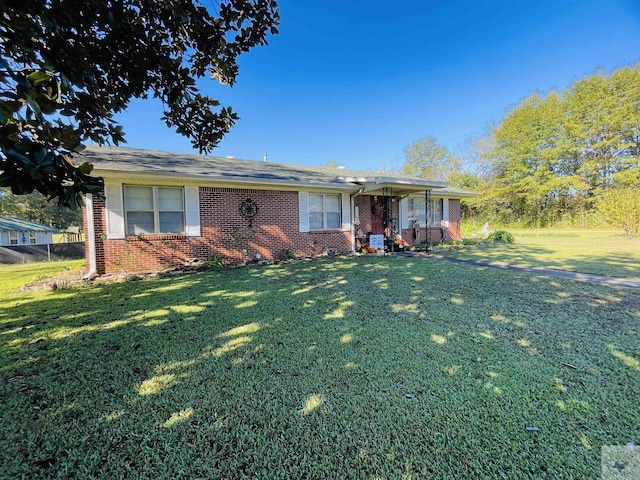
x,y
602,124
426,158
67,66
532,173
554,154
473,152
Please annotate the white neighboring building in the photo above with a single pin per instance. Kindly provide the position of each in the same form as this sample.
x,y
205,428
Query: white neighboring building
x,y
18,231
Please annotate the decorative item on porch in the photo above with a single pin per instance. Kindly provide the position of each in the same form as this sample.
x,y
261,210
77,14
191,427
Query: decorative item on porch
x,y
376,209
249,210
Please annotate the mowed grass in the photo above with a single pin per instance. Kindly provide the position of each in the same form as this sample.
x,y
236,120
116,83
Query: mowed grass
x,y
597,252
340,368
16,275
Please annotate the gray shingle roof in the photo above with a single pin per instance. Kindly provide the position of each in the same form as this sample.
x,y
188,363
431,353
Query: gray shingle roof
x,y
14,224
229,169
210,167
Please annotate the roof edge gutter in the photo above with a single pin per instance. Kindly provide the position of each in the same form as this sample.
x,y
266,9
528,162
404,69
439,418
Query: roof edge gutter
x,y
232,182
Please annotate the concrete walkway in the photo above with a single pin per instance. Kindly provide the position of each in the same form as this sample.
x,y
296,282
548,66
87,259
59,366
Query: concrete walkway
x,y
580,277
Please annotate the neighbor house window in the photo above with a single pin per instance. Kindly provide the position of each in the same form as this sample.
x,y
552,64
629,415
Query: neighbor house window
x,y
13,238
32,238
415,207
154,210
324,211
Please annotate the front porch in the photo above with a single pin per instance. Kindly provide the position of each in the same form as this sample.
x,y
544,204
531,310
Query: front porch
x,y
393,216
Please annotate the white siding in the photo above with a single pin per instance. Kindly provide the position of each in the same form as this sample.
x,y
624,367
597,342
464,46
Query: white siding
x,y
42,238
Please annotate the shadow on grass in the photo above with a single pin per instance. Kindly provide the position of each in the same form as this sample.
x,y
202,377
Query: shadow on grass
x,y
335,368
613,264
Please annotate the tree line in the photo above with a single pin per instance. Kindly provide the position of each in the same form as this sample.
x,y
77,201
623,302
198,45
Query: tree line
x,y
566,157
37,208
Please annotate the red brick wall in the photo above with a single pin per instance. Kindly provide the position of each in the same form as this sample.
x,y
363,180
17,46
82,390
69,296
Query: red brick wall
x,y
224,232
453,232
436,235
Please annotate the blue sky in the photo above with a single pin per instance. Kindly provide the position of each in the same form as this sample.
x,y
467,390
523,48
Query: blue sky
x,y
355,81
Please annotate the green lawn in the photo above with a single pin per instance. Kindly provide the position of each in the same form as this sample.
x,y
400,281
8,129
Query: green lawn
x,y
363,367
598,252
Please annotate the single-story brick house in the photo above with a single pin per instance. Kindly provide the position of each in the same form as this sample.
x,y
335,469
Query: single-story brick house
x,y
18,231
162,209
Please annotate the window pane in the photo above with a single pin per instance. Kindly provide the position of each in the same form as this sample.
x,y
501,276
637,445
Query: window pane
x,y
170,199
332,203
315,202
13,238
171,222
418,209
139,223
316,221
333,220
436,209
138,198
32,238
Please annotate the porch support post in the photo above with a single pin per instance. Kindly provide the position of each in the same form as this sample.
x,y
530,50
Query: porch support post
x,y
427,219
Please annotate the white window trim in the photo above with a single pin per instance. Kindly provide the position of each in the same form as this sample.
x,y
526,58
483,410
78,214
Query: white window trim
x,y
156,209
192,211
115,215
114,205
303,212
324,213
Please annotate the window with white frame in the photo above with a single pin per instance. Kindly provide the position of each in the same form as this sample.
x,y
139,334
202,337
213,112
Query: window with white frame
x,y
436,211
13,238
154,210
416,210
324,211
32,238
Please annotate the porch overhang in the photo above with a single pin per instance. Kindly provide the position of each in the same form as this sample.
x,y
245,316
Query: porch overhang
x,y
399,186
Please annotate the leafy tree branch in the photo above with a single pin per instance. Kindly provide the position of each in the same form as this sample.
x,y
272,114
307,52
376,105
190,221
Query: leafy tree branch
x,y
67,66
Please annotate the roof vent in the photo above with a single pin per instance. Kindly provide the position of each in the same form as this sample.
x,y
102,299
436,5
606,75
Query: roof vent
x,y
230,156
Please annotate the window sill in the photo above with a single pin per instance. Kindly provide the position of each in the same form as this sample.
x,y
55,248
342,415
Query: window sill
x,y
337,230
155,236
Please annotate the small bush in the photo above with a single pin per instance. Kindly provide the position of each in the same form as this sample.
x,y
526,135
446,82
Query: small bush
x,y
470,241
621,208
217,261
287,254
500,236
